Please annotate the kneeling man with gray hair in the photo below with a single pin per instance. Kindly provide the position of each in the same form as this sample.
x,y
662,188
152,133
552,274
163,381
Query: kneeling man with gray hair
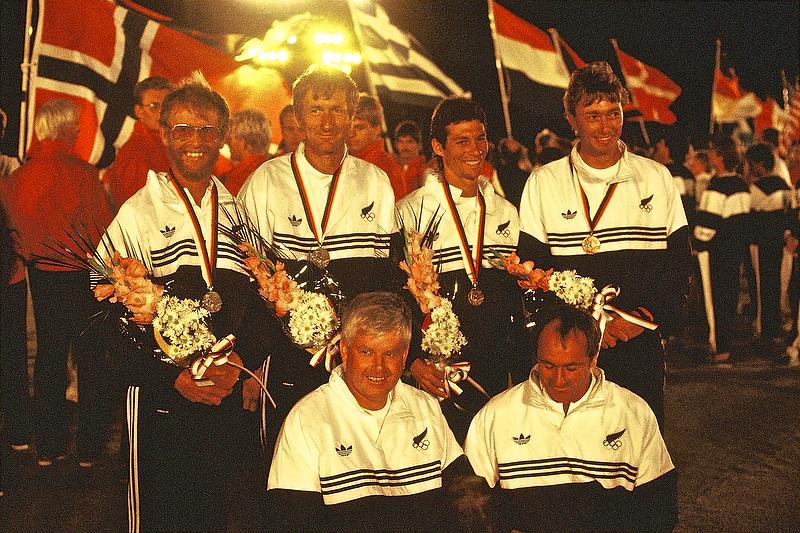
x,y
569,450
365,452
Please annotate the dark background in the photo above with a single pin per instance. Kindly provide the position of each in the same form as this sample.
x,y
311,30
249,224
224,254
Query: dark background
x,y
759,39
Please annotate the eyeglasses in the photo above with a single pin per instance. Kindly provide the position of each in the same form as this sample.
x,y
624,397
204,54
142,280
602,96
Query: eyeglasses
x,y
152,105
184,132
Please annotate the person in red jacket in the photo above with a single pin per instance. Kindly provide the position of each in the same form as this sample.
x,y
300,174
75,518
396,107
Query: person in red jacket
x,y
366,142
52,193
248,139
144,150
408,143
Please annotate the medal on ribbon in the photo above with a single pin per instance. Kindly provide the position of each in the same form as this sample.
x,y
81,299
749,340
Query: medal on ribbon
x,y
211,300
320,257
591,244
475,296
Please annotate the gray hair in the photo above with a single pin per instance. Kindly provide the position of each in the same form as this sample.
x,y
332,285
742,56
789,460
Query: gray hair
x,y
53,116
376,313
253,127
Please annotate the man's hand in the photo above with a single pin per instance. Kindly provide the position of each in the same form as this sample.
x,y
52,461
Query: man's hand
x,y
251,392
620,330
224,377
430,378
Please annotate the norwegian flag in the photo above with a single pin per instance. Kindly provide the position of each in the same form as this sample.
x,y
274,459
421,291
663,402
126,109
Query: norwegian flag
x,y
93,52
652,91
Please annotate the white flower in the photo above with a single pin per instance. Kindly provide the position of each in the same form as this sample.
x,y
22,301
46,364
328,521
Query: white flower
x,y
313,321
573,289
443,337
181,322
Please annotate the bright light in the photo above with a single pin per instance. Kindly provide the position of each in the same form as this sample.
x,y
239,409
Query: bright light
x,y
328,38
292,39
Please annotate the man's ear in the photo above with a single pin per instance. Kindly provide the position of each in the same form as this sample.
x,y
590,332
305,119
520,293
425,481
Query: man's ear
x,y
437,147
163,130
571,121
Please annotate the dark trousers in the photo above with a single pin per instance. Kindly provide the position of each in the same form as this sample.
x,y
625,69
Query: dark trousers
x,y
15,389
638,365
769,259
725,293
183,459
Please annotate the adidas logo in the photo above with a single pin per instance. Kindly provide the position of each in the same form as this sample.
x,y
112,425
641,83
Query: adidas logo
x,y
522,439
569,215
294,221
168,232
344,451
420,442
612,441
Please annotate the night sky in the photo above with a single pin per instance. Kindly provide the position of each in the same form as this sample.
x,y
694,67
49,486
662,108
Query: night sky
x,y
758,39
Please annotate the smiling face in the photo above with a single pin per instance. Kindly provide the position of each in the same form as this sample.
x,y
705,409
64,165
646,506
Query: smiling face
x,y
373,364
565,369
325,121
407,148
599,127
462,155
193,158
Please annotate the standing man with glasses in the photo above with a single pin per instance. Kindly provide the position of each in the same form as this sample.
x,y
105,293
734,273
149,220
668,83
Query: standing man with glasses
x,y
186,439
144,150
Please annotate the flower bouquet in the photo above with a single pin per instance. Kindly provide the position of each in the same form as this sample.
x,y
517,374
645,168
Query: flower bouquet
x,y
309,317
442,338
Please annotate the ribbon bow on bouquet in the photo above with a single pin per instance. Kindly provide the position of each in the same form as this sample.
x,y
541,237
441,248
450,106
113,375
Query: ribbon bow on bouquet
x,y
603,311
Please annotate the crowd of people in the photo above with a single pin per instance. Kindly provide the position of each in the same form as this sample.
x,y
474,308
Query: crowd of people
x,y
557,419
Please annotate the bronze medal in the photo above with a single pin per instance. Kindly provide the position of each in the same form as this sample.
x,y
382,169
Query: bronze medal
x,y
211,301
475,296
319,257
591,245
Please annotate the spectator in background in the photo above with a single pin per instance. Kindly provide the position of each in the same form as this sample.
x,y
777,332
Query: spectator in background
x,y
721,237
61,298
774,221
144,150
408,144
292,134
8,164
550,154
513,168
365,142
771,136
249,138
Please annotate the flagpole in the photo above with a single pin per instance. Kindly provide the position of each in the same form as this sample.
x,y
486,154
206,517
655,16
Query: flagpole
x,y
25,66
638,119
372,90
498,62
714,85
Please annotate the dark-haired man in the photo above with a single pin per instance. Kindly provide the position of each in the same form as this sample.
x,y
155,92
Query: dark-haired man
x,y
773,221
475,224
721,237
568,450
408,145
366,141
144,149
617,218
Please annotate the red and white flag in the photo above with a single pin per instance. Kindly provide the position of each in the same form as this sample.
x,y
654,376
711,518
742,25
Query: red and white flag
x,y
652,90
93,52
771,116
791,126
729,103
527,49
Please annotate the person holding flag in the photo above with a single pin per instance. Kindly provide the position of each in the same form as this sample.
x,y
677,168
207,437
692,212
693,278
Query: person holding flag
x,y
617,218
